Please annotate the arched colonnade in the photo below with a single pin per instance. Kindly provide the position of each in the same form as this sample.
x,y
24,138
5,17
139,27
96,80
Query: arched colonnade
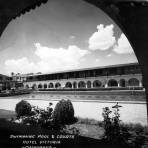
x,y
86,83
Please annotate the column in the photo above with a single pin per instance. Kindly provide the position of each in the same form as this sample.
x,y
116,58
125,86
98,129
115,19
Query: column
x,y
72,85
126,83
119,84
86,85
76,85
90,85
106,85
140,84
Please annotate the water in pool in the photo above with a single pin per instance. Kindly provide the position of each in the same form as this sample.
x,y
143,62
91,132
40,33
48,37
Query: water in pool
x,y
84,107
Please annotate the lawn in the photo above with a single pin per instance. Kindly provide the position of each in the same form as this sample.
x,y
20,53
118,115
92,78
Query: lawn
x,y
7,114
91,131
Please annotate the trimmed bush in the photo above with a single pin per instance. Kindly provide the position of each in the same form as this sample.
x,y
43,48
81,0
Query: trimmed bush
x,y
63,113
23,108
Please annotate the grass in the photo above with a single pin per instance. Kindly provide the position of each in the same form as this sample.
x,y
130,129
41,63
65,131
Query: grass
x,y
88,121
135,127
87,130
7,114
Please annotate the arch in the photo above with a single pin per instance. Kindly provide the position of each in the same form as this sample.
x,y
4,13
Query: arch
x,y
45,85
122,83
74,84
50,85
112,83
81,84
133,82
40,86
114,16
34,86
57,85
68,85
97,84
88,84
118,11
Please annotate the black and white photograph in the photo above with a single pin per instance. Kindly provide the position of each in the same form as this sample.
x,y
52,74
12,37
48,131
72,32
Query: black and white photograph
x,y
73,73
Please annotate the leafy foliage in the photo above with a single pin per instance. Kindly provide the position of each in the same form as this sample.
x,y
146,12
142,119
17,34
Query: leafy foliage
x,y
132,136
113,132
40,117
62,115
23,108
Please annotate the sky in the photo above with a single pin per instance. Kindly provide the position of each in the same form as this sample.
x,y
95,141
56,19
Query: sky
x,y
62,35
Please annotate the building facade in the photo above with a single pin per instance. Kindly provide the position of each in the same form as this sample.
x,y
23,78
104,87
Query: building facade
x,y
123,76
6,82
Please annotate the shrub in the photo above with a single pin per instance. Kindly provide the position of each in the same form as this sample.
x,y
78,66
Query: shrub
x,y
63,114
33,115
126,135
39,117
23,108
137,135
113,133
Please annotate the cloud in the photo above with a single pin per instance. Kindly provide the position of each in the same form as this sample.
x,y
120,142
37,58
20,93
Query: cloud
x,y
59,59
123,46
51,59
97,60
103,39
109,55
72,37
21,65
